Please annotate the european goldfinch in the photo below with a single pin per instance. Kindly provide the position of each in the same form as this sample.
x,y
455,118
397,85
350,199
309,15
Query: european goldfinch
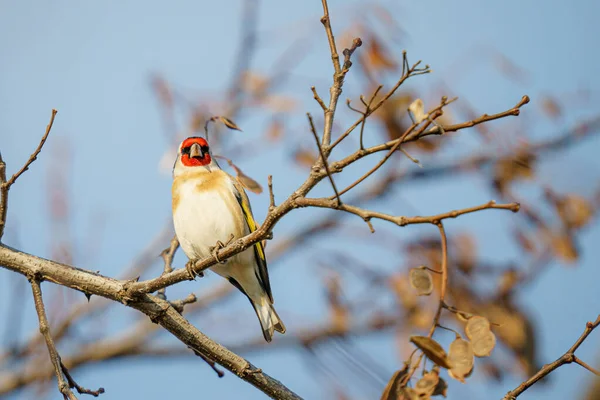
x,y
210,207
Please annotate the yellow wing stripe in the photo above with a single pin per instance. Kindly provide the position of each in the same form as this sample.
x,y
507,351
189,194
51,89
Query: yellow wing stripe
x,y
252,226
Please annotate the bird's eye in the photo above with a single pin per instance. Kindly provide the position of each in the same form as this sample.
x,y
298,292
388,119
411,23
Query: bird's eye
x,y
204,149
185,150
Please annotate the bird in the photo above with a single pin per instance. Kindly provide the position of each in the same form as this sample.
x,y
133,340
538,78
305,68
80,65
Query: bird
x,y
210,210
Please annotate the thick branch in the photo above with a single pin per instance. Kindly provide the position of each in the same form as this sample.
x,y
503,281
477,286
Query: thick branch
x,y
159,311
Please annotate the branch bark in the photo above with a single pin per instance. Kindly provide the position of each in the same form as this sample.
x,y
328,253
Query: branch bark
x,y
159,311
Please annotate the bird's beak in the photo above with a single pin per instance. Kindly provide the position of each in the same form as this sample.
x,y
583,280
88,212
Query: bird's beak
x,y
196,151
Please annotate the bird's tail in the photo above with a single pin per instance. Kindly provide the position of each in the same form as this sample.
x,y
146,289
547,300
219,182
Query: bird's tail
x,y
269,320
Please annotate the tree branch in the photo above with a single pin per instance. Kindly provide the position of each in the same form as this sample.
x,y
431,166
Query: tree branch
x,y
323,158
5,185
63,386
159,311
566,358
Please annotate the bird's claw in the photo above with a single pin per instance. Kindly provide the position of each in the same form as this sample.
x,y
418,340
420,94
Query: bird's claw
x,y
189,266
215,249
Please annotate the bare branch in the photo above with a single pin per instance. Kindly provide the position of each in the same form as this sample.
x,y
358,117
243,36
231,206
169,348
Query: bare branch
x,y
74,385
412,71
5,185
515,111
318,98
3,196
401,220
63,386
397,144
167,255
325,20
271,194
159,311
323,159
34,155
566,358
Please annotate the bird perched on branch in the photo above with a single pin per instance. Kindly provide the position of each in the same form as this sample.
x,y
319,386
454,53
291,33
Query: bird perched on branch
x,y
210,209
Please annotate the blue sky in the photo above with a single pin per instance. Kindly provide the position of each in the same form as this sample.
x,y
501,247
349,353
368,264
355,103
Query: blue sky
x,y
93,62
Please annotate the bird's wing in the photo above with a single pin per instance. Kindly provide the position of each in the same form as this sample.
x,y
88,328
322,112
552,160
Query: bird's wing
x,y
259,251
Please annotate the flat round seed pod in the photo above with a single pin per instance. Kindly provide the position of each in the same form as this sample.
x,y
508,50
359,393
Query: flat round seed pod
x,y
420,279
484,344
477,326
461,357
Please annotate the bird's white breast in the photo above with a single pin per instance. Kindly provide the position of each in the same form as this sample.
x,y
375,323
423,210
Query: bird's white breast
x,y
203,217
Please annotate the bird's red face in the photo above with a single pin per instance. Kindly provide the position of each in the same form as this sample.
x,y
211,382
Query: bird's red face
x,y
195,152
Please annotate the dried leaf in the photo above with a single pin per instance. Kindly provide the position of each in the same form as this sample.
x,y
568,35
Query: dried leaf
x,y
279,104
197,121
484,344
339,312
417,108
574,210
465,250
551,107
441,388
408,393
564,247
229,123
509,169
432,350
427,384
163,91
254,83
400,287
421,281
461,357
248,182
508,280
375,57
275,129
305,157
477,326
242,178
525,242
510,69
393,390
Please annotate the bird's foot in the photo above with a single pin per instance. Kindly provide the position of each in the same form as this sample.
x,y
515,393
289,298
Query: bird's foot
x,y
215,249
189,266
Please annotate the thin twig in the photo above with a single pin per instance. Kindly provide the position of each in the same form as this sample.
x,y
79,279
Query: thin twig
x,y
338,76
5,185
515,111
367,112
34,155
586,366
3,196
271,194
325,20
323,159
167,255
441,303
63,385
435,112
179,305
567,358
412,71
74,385
401,220
318,98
